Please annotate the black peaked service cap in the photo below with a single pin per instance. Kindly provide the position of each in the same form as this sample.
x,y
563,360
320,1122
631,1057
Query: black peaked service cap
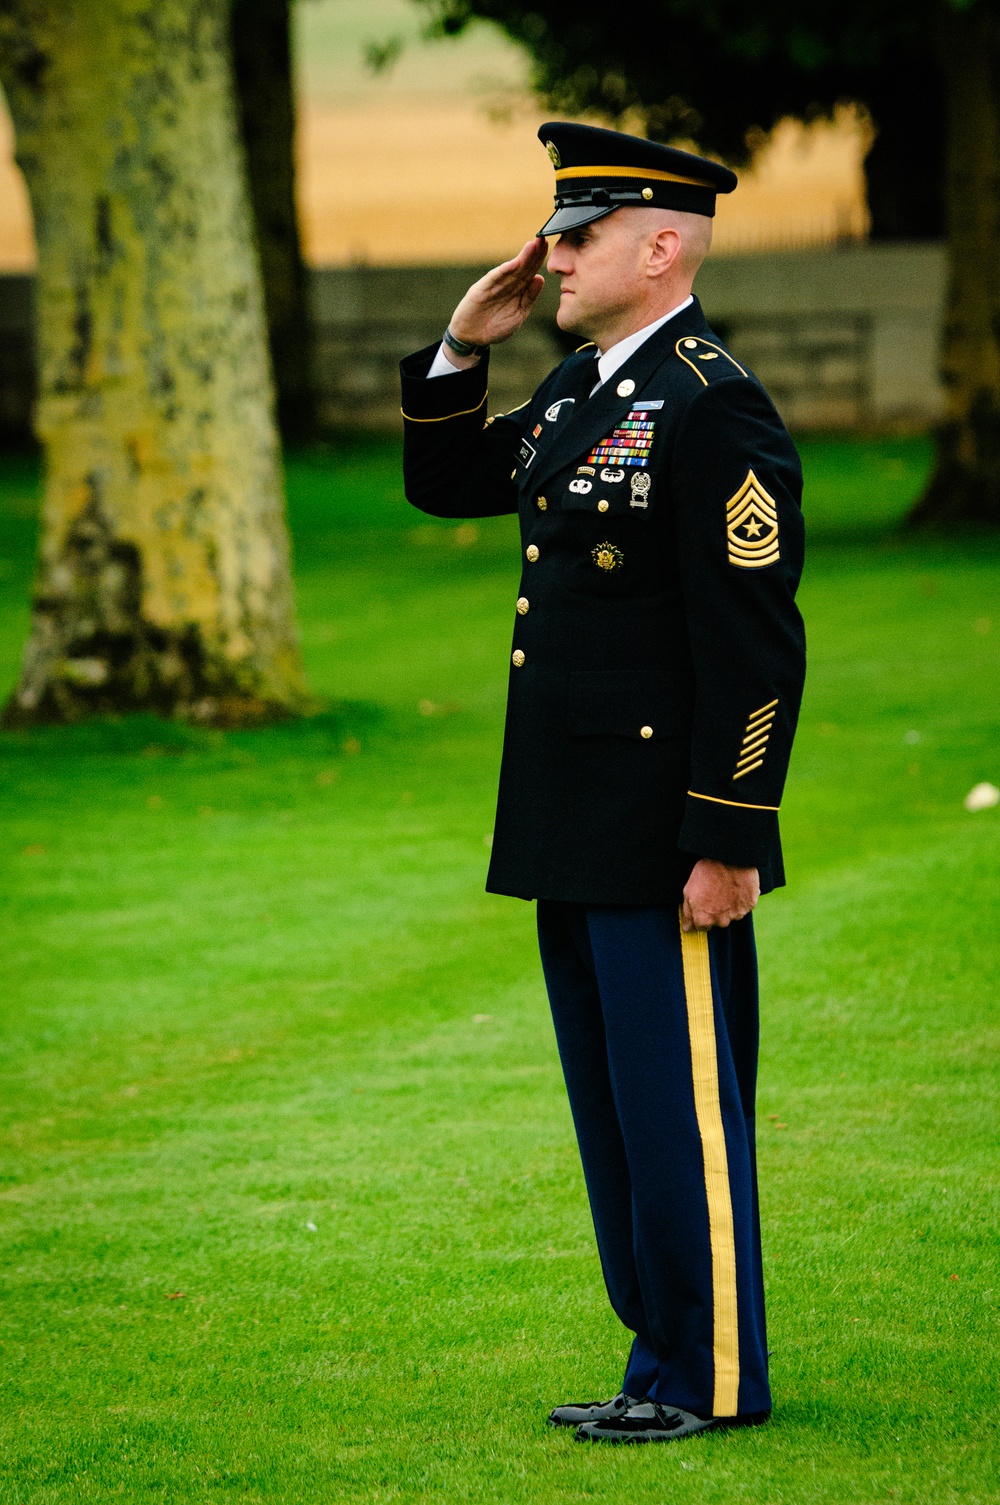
x,y
599,171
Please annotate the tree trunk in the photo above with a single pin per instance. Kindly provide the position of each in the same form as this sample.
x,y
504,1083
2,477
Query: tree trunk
x,y
905,186
262,65
163,579
965,485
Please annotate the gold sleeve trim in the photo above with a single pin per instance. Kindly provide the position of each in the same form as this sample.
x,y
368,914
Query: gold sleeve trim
x,y
737,804
715,1160
755,739
445,416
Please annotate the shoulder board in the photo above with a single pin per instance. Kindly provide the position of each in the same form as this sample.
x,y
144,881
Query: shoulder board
x,y
706,359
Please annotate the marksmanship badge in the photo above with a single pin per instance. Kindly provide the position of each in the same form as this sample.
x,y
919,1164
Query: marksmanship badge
x,y
752,526
607,557
641,482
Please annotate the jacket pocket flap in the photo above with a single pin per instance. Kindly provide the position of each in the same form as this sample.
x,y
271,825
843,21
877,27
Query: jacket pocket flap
x,y
644,703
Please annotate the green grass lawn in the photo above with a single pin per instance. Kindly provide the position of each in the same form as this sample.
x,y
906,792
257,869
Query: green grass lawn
x,y
291,1203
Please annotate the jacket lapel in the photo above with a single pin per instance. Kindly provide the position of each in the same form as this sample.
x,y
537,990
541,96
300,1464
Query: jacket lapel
x,y
593,419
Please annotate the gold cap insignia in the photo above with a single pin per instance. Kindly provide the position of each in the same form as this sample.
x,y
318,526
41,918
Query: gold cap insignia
x,y
752,526
607,557
553,152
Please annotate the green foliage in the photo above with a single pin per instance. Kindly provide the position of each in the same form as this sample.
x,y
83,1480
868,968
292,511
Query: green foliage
x,y
723,74
250,983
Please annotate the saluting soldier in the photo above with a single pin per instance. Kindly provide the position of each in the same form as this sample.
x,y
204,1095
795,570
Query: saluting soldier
x,y
656,672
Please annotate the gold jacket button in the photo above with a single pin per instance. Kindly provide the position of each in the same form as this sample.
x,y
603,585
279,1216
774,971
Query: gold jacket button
x,y
522,606
517,658
603,506
646,731
531,552
541,504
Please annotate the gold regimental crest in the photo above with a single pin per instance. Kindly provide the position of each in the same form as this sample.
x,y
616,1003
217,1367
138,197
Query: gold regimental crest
x,y
607,557
553,152
752,526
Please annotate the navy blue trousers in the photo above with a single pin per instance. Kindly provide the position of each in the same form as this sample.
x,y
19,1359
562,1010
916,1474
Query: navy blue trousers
x,y
657,1033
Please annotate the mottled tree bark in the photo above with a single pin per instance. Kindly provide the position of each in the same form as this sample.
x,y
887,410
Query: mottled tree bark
x,y
262,65
163,579
965,485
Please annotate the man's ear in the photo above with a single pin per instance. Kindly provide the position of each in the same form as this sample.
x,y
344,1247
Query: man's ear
x,y
665,252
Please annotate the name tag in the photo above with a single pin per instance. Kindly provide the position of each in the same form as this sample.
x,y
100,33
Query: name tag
x,y
526,453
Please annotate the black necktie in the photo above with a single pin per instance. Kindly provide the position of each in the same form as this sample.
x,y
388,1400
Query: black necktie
x,y
585,379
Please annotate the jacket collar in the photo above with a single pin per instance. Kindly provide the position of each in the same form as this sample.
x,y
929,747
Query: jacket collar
x,y
591,420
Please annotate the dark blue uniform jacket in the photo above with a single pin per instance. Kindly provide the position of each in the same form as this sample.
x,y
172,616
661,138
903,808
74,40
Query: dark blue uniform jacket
x,y
658,654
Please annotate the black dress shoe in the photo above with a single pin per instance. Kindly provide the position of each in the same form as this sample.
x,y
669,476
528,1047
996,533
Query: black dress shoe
x,y
648,1421
598,1410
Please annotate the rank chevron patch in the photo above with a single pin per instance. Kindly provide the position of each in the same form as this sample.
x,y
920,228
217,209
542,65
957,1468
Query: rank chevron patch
x,y
752,526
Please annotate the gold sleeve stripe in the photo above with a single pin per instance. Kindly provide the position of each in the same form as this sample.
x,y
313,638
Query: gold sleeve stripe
x,y
654,174
751,752
444,418
759,739
741,771
770,703
715,1159
756,722
737,804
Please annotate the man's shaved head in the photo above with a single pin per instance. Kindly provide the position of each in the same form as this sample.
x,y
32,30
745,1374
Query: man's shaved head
x,y
626,270
694,230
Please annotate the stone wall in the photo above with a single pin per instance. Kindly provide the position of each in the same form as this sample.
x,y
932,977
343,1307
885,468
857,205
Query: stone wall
x,y
843,339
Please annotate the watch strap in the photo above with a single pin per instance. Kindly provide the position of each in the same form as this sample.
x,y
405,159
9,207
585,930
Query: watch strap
x,y
462,347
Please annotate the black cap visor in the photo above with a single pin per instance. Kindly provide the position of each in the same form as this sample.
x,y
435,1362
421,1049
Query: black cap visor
x,y
572,217
593,200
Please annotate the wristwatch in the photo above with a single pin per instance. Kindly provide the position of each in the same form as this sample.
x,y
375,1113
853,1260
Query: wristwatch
x,y
462,347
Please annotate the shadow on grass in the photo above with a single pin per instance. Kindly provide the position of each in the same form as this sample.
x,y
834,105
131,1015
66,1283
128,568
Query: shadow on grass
x,y
333,729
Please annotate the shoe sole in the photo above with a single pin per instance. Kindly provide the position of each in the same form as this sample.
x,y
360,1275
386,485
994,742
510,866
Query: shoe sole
x,y
717,1424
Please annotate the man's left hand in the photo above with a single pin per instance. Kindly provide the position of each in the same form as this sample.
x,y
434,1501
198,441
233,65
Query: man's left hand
x,y
716,895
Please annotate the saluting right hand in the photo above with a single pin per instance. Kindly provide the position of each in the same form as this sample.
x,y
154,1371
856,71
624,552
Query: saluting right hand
x,y
498,304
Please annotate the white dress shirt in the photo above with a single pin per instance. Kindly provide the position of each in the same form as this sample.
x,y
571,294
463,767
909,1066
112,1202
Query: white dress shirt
x,y
609,360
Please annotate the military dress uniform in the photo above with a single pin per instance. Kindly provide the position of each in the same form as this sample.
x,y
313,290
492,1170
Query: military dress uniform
x,y
656,670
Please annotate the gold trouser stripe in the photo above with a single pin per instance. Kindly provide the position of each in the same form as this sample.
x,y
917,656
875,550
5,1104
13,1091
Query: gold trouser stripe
x,y
708,1111
445,416
713,799
604,171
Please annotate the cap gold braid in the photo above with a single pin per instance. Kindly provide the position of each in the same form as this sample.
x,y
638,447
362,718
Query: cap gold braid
x,y
629,172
